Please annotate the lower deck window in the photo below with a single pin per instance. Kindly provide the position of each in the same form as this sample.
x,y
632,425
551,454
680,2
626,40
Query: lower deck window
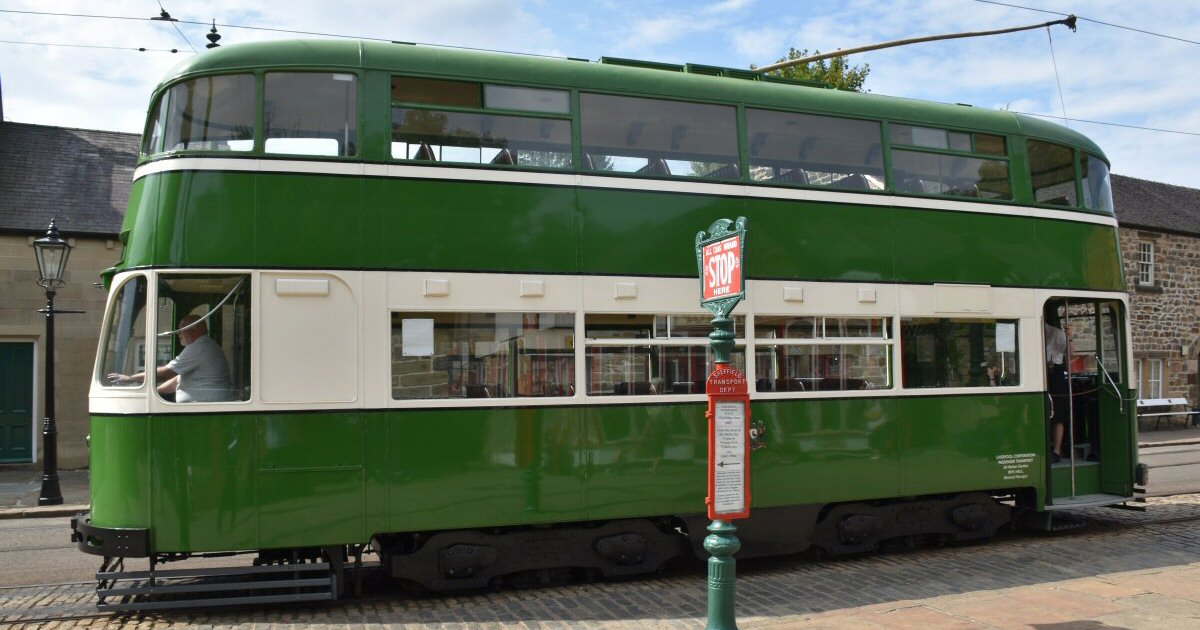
x,y
634,355
203,325
951,352
806,354
482,355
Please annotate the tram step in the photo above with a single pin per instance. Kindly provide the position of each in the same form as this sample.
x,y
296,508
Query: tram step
x,y
225,586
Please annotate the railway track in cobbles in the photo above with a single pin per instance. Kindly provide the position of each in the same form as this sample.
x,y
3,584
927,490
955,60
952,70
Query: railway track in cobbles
x,y
1114,541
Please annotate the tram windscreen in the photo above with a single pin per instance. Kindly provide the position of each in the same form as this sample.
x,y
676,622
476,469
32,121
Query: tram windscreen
x,y
209,113
125,344
1097,189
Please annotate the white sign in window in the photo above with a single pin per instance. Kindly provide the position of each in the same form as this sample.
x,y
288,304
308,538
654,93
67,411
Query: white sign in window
x,y
417,337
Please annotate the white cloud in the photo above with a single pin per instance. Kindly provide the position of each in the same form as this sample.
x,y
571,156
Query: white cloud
x,y
1107,74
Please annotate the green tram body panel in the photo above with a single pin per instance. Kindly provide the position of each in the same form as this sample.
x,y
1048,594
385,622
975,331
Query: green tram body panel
x,y
216,482
303,221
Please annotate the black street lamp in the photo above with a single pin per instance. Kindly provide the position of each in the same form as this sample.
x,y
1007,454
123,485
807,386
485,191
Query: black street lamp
x,y
52,253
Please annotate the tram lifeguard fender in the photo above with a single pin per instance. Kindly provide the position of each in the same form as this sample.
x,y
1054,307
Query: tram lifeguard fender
x,y
110,542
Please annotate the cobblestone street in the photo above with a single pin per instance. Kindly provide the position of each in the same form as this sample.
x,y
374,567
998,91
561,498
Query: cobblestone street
x,y
1124,565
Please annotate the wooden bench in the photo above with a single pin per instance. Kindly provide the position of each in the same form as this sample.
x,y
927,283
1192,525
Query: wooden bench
x,y
1165,409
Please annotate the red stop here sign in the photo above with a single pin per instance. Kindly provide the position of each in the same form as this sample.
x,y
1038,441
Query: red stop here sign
x,y
722,265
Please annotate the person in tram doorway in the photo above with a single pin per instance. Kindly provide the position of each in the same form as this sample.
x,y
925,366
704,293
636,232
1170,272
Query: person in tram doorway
x,y
1056,377
198,374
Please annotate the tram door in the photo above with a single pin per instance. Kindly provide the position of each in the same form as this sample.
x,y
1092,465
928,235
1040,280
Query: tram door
x,y
1088,428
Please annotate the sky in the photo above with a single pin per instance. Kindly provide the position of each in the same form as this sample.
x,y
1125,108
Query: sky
x,y
1107,74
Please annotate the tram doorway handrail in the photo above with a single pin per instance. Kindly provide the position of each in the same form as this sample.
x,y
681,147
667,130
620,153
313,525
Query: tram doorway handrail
x,y
1108,377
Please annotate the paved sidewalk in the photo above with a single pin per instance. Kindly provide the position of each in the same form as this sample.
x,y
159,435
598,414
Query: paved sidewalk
x,y
1165,598
20,486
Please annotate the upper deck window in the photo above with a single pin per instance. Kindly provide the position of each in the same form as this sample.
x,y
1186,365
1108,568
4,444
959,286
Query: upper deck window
x,y
815,150
1052,171
479,137
436,92
527,99
311,113
209,113
656,137
1097,190
944,162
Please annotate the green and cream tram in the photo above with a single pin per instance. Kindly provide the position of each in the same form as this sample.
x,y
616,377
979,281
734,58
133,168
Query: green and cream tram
x,y
455,297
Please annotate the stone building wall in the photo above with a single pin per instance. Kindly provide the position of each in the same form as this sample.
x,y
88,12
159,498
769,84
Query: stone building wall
x,y
75,335
1166,315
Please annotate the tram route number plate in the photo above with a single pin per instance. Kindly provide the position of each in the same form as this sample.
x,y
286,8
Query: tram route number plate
x,y
729,467
722,267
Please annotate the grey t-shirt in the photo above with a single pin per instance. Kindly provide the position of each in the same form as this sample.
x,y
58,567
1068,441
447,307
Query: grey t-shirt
x,y
203,375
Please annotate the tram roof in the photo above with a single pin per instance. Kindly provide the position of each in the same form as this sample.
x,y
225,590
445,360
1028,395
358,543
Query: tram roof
x,y
662,80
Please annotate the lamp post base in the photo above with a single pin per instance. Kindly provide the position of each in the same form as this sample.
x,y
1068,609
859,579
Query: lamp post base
x,y
51,493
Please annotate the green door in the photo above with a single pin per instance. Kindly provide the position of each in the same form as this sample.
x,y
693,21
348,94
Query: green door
x,y
16,403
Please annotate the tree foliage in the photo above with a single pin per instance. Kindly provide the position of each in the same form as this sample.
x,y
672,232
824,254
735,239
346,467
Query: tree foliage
x,y
834,71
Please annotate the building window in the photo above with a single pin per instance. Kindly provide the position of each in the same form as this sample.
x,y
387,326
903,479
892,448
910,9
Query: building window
x,y
1150,378
1145,264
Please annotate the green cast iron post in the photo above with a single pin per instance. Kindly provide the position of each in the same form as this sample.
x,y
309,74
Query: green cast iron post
x,y
721,543
721,339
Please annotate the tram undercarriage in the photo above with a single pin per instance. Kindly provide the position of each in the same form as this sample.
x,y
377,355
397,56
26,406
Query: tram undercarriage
x,y
531,555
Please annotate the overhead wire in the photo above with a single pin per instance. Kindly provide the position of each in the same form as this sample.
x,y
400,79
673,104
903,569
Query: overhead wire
x,y
60,45
1061,100
1092,20
1109,124
175,23
379,39
264,29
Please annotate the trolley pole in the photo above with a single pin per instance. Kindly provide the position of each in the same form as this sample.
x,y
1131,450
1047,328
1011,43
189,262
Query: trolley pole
x,y
719,255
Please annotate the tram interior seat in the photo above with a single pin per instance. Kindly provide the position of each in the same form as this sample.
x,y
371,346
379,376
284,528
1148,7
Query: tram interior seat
x,y
635,388
425,152
782,385
497,390
729,171
841,384
856,182
911,184
794,176
655,166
